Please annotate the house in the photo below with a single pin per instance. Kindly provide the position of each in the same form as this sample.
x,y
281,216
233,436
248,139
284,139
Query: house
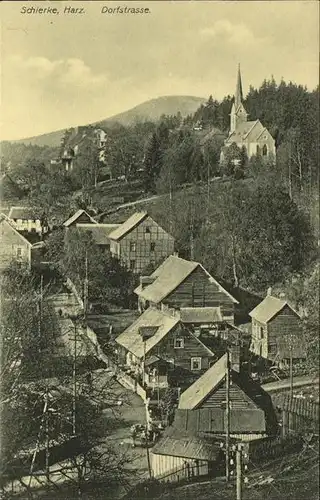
x,y
252,135
276,331
179,455
14,246
78,139
251,411
80,217
140,241
179,284
100,233
29,220
158,341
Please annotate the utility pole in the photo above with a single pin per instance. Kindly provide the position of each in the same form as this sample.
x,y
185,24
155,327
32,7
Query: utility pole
x,y
47,436
291,371
86,287
74,399
239,471
228,416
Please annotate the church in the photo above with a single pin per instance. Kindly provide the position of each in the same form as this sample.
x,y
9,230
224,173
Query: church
x,y
251,134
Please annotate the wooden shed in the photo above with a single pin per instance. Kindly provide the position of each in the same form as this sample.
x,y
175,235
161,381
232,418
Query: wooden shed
x,y
182,454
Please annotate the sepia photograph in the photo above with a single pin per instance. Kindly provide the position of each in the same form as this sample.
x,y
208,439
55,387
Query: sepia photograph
x,y
159,250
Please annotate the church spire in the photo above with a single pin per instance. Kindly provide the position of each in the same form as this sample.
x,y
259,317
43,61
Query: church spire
x,y
238,97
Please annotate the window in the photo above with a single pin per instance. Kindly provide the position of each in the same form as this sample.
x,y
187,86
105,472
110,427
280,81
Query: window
x,y
152,246
195,364
261,332
19,252
148,230
132,265
178,343
264,150
132,246
258,149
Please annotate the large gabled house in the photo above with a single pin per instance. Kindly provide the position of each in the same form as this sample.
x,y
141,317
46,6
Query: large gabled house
x,y
185,286
277,331
14,246
157,344
140,241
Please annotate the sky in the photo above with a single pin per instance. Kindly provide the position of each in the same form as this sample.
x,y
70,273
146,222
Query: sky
x,y
62,70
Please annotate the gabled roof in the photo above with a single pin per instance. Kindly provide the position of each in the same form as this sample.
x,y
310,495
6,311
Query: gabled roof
x,y
25,213
268,308
204,385
76,216
128,225
100,232
169,275
181,444
4,219
200,314
242,420
131,338
242,131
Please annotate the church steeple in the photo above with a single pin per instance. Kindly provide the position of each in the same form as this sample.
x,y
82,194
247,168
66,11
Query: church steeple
x,y
238,96
238,113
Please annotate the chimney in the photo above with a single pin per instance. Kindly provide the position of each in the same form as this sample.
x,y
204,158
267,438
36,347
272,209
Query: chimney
x,y
145,281
269,291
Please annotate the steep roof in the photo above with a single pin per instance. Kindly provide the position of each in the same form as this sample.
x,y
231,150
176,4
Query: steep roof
x,y
250,420
4,219
76,216
204,385
25,213
131,338
181,444
169,275
268,308
242,131
128,225
200,314
100,232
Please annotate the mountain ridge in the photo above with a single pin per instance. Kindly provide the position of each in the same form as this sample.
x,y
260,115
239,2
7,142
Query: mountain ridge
x,y
145,111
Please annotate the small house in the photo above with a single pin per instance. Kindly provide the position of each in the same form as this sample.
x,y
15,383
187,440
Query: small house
x,y
79,217
14,246
29,220
276,331
140,241
156,336
179,284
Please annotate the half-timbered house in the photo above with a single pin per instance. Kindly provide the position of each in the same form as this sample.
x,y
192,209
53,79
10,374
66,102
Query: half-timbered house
x,y
140,241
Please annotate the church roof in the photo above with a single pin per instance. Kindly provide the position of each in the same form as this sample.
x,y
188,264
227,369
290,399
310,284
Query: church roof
x,y
242,131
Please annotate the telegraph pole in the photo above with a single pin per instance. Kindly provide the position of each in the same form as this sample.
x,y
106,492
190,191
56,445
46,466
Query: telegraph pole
x,y
239,471
47,436
86,287
228,416
74,399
